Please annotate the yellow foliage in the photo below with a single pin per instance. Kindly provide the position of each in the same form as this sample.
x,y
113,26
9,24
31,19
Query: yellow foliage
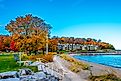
x,y
45,57
25,57
76,65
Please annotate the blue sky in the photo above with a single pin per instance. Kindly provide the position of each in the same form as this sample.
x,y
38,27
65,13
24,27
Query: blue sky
x,y
100,19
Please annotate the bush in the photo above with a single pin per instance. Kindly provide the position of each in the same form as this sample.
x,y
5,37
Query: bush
x,y
75,68
45,57
48,57
76,65
109,77
24,57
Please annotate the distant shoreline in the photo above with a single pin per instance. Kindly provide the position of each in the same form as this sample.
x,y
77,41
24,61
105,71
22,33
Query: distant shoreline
x,y
94,54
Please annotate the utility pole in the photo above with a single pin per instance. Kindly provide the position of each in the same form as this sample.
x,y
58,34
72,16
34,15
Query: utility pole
x,y
20,58
47,43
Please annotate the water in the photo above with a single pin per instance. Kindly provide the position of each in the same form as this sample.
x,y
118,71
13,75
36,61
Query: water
x,y
109,60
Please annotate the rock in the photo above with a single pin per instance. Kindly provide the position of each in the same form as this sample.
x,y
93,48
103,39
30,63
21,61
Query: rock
x,y
84,74
10,74
36,63
39,76
68,75
98,71
10,79
25,71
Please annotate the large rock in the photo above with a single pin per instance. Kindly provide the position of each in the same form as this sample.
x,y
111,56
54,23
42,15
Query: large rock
x,y
98,70
84,74
25,71
10,74
36,63
10,79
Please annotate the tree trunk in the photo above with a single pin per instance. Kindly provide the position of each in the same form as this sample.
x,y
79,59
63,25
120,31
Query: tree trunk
x,y
35,52
43,51
29,52
72,47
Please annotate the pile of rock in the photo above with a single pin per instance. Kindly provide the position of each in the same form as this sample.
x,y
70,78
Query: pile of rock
x,y
9,76
45,74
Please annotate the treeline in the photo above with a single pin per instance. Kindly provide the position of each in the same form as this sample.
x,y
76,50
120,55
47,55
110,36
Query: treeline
x,y
30,44
83,41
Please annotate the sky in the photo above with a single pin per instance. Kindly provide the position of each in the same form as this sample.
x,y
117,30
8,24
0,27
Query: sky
x,y
99,19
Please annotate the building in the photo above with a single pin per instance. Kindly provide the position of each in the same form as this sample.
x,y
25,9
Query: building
x,y
76,47
118,51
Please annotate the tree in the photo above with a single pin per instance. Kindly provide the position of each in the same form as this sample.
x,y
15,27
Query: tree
x,y
29,32
1,43
53,43
4,42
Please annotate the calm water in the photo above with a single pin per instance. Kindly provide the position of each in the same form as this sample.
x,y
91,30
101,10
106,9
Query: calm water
x,y
110,60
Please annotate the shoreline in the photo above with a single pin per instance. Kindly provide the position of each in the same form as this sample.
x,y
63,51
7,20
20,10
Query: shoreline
x,y
93,62
93,54
116,71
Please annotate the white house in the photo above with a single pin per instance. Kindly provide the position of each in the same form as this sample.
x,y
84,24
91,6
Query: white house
x,y
76,47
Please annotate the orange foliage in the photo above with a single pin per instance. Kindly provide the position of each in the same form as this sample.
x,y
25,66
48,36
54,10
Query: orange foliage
x,y
45,57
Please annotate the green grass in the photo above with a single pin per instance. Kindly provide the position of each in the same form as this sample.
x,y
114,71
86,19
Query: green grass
x,y
7,63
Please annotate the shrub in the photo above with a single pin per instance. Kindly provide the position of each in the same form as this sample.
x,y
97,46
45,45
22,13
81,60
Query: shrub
x,y
24,57
75,68
109,77
48,57
76,65
45,57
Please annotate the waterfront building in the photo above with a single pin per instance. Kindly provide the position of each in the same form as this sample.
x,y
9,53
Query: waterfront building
x,y
76,47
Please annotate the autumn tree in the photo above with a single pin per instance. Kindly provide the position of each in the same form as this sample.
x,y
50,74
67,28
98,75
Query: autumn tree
x,y
4,42
29,33
53,43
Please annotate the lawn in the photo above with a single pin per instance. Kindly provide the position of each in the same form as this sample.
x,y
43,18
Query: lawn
x,y
7,63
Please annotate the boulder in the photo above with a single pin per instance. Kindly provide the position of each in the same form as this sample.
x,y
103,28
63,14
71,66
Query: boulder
x,y
98,70
36,63
10,79
25,71
84,74
10,74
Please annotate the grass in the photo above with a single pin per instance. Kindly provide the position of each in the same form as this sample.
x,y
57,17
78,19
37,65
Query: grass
x,y
109,77
76,65
7,63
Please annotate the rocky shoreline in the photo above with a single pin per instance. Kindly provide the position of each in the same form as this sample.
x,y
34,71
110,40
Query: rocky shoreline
x,y
95,70
98,69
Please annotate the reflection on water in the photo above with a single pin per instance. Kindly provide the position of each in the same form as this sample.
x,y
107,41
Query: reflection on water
x,y
110,60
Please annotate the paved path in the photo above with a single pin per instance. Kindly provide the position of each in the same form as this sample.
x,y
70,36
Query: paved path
x,y
68,75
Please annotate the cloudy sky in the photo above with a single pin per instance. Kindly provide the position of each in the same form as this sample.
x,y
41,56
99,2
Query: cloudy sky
x,y
100,19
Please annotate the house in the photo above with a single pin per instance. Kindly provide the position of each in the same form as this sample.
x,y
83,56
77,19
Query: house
x,y
118,51
76,47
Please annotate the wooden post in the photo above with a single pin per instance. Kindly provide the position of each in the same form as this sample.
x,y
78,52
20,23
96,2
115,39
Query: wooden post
x,y
20,58
47,43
